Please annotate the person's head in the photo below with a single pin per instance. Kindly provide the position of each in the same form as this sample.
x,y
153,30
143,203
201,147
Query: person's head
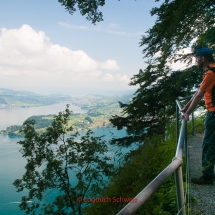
x,y
204,56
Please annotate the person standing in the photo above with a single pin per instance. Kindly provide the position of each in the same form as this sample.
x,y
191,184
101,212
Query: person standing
x,y
204,60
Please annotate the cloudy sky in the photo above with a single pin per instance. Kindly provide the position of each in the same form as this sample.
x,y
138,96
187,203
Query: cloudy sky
x,y
44,49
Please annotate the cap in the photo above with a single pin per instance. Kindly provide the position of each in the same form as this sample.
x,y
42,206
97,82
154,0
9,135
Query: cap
x,y
205,51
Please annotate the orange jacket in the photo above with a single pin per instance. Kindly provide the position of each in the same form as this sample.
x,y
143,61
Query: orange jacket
x,y
208,85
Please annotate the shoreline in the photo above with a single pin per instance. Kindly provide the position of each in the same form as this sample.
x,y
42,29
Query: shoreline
x,y
70,133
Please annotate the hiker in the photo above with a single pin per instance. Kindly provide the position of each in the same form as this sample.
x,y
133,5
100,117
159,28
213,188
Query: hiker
x,y
204,60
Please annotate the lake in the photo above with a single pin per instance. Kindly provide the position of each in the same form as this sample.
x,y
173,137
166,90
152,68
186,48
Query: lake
x,y
11,161
16,116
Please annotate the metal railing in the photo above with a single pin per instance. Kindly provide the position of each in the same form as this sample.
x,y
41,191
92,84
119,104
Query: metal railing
x,y
175,166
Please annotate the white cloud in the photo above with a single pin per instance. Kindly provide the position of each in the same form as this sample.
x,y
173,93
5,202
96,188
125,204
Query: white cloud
x,y
28,57
123,78
116,78
109,65
108,77
28,49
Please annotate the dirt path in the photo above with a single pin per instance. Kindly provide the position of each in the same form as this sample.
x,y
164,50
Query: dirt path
x,y
204,195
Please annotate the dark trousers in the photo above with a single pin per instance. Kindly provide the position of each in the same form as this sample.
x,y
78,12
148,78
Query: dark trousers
x,y
208,146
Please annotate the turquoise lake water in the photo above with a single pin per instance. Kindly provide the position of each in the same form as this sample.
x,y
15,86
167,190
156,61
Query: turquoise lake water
x,y
11,162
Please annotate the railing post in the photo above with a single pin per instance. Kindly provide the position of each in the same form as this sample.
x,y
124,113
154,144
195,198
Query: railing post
x,y
180,191
177,123
192,123
185,144
178,172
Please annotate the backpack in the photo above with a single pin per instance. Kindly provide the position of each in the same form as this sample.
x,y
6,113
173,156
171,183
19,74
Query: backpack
x,y
211,68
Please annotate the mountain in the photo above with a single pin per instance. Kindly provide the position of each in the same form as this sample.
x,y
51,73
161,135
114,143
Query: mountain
x,y
22,98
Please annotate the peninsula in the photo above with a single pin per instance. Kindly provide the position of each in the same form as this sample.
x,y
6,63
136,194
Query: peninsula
x,y
100,109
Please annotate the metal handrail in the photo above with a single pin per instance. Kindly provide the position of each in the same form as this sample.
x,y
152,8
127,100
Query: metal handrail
x,y
174,166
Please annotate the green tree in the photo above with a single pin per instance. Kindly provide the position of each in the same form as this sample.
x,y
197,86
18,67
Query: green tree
x,y
86,7
139,169
178,24
54,160
153,104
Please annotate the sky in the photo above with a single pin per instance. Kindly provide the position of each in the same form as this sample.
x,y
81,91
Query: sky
x,y
44,49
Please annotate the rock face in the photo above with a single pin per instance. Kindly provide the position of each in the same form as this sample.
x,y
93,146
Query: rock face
x,y
203,196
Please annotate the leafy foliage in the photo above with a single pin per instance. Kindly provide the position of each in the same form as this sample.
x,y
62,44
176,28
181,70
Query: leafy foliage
x,y
153,105
89,8
140,168
178,23
54,160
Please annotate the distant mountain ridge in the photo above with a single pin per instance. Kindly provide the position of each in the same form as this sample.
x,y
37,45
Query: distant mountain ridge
x,y
22,98
4,91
